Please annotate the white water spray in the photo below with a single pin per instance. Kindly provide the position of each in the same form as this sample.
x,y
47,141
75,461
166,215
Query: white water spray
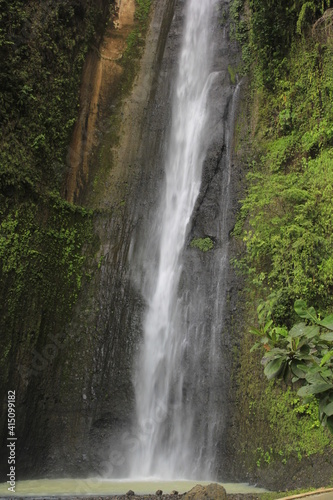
x,y
164,419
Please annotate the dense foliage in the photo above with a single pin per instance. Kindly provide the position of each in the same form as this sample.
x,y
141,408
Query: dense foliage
x,y
304,352
42,49
289,233
285,226
41,270
266,30
135,43
273,28
203,244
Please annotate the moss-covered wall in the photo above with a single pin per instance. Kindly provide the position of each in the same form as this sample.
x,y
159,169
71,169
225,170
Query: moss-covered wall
x,y
46,244
284,229
43,47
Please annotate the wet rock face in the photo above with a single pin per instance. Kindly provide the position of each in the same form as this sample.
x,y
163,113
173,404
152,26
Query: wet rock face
x,y
207,276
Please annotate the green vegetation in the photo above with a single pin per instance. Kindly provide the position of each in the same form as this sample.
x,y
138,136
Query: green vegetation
x,y
289,234
239,30
232,74
288,210
280,427
42,47
135,44
304,353
203,244
285,227
42,238
41,273
26,231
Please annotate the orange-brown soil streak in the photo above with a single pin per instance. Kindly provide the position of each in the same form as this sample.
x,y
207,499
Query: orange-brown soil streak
x,y
100,75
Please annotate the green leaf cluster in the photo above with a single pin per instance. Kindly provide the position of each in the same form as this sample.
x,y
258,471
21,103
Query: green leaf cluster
x,y
41,247
285,226
203,244
281,428
290,238
305,351
266,30
274,26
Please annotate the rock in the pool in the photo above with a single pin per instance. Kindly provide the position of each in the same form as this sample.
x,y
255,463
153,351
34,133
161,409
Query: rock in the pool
x,y
211,492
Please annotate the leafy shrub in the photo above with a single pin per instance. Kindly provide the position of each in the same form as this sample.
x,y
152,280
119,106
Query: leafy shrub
x,y
305,352
288,232
203,244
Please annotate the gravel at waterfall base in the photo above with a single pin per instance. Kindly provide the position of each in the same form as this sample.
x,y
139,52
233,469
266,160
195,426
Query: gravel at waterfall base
x,y
234,496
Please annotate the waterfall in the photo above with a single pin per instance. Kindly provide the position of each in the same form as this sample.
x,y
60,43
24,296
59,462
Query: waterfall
x,y
163,409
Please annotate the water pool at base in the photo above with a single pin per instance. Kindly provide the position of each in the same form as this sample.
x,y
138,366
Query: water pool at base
x,y
94,486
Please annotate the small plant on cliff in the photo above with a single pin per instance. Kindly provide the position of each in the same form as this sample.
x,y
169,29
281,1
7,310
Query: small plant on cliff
x,y
305,352
203,244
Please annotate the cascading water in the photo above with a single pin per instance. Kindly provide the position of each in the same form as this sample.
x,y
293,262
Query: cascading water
x,y
165,416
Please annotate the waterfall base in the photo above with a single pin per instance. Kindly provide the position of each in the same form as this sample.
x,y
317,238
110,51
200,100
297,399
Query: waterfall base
x,y
96,486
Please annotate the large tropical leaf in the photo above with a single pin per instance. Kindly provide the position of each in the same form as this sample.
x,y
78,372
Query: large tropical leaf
x,y
311,331
327,336
315,378
304,348
298,330
297,370
274,367
326,357
281,331
304,312
317,388
328,409
327,322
